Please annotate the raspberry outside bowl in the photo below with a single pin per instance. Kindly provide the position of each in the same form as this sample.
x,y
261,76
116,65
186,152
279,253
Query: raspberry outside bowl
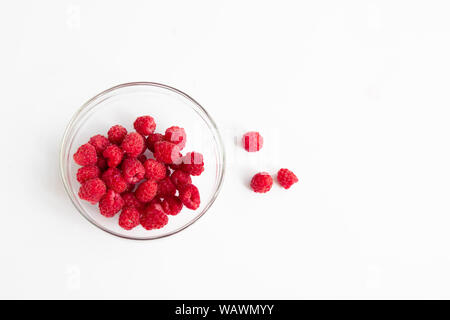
x,y
122,104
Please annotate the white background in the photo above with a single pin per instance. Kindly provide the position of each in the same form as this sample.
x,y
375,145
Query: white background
x,y
353,95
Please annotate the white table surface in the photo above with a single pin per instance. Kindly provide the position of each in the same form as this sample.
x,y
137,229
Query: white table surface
x,y
352,95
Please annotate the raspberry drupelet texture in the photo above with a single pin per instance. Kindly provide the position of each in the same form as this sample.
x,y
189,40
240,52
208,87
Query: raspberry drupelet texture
x,y
166,152
153,218
114,180
261,182
92,190
130,200
154,170
172,205
132,170
86,155
252,141
152,139
176,135
190,196
146,191
145,125
88,172
129,218
193,163
133,144
166,188
286,178
180,178
110,203
100,143
113,155
116,134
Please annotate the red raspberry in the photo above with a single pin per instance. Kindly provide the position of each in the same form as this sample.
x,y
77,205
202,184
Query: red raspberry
x,y
172,205
130,200
146,191
100,143
145,125
176,165
113,155
176,135
114,180
261,182
190,196
133,144
129,218
252,141
110,204
166,152
154,170
152,139
180,178
86,155
116,134
166,188
101,163
286,178
193,163
86,173
156,203
132,170
92,190
153,218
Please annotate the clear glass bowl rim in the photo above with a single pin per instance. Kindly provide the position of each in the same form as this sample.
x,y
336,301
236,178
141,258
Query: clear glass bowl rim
x,y
211,124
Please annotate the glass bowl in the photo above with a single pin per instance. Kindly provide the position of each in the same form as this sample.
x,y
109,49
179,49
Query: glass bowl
x,y
122,104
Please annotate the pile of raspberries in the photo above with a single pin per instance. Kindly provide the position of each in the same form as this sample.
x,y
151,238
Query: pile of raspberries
x,y
117,175
262,182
